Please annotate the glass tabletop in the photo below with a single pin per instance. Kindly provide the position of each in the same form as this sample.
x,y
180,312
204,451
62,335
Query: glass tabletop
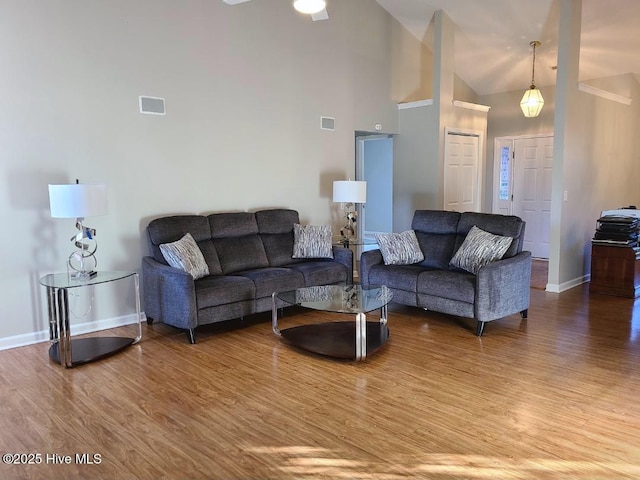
x,y
339,298
340,241
64,280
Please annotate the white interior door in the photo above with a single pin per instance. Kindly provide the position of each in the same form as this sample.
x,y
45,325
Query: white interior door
x,y
461,172
532,191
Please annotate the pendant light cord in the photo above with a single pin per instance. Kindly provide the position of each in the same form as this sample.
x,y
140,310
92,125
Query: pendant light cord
x,y
533,66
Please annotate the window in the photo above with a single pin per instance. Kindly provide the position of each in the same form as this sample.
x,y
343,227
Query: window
x,y
505,173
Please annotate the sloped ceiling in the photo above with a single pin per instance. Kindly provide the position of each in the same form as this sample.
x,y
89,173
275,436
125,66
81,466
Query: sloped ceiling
x,y
492,38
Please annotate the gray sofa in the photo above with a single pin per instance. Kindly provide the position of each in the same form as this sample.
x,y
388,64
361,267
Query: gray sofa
x,y
499,289
249,256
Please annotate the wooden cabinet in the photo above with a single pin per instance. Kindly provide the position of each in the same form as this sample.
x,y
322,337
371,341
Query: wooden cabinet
x,y
615,271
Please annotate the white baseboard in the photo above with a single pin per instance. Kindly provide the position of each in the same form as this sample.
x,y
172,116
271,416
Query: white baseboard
x,y
559,288
76,329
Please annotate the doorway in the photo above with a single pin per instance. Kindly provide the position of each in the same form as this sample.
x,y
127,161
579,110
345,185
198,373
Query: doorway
x,y
374,164
522,186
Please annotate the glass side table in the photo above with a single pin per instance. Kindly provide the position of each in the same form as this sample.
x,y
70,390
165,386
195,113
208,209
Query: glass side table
x,y
71,352
341,241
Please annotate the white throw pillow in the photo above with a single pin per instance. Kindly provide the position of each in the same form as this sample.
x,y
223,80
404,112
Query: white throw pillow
x,y
186,255
479,249
399,248
312,241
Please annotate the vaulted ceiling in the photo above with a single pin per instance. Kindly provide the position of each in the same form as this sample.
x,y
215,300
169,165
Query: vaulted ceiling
x,y
492,52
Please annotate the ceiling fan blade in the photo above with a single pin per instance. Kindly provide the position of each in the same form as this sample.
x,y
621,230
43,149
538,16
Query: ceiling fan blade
x,y
321,15
234,2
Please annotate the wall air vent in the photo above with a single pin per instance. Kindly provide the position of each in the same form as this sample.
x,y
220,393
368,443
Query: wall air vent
x,y
152,105
327,123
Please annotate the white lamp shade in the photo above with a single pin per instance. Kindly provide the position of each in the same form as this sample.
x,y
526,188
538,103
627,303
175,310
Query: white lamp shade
x,y
309,6
532,102
349,191
77,200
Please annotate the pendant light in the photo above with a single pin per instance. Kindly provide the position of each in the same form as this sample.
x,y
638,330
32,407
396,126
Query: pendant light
x,y
532,101
309,7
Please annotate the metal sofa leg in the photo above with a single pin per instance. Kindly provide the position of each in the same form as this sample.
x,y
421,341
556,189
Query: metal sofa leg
x,y
524,313
480,328
191,334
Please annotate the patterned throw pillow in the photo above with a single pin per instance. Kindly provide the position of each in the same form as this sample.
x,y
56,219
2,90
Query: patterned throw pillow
x,y
399,248
480,248
186,255
312,241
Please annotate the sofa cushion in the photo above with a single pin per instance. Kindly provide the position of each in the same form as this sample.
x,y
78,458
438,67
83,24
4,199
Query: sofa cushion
x,y
312,241
436,232
504,225
269,280
214,291
185,255
399,248
210,256
277,220
279,248
240,253
236,224
172,228
449,284
437,248
480,248
276,230
435,221
402,277
321,272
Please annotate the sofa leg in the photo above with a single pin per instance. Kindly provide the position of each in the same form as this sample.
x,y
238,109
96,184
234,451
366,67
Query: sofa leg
x,y
480,328
524,313
149,321
191,334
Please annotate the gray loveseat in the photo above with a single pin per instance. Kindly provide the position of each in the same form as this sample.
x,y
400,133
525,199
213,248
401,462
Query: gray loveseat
x,y
249,256
499,289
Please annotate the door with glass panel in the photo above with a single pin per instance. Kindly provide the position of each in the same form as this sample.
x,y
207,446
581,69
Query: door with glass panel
x,y
522,186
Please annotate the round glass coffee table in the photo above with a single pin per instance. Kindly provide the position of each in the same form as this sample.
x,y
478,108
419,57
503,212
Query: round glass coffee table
x,y
341,339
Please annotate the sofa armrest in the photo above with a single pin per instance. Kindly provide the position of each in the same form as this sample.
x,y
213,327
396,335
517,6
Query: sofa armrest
x,y
345,257
503,287
169,294
367,260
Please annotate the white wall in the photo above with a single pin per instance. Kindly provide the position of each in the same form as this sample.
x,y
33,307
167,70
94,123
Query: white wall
x,y
245,87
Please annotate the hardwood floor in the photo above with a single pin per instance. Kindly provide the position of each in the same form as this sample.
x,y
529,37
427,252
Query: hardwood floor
x,y
552,397
539,273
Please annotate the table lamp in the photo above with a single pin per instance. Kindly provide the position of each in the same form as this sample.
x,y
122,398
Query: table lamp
x,y
349,192
79,201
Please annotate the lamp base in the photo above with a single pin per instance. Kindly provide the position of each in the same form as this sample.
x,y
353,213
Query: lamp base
x,y
348,232
82,262
83,276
